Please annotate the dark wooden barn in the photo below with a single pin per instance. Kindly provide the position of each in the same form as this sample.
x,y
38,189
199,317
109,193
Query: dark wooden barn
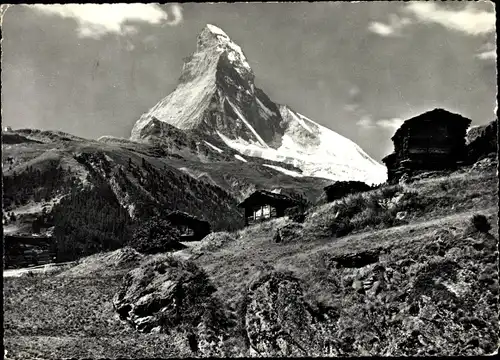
x,y
26,250
263,205
434,140
339,189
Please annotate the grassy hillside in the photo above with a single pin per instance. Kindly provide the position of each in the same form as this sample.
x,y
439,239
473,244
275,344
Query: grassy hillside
x,y
438,294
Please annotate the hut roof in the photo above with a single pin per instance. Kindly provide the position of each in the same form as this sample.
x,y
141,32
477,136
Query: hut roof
x,y
180,217
347,185
435,115
267,197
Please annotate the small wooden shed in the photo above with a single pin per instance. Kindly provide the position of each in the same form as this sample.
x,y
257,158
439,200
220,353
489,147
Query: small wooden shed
x,y
192,228
262,205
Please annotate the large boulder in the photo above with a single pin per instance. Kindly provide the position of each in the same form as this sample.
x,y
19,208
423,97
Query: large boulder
x,y
279,322
355,259
174,296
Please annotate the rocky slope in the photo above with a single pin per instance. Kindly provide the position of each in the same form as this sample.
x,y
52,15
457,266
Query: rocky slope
x,y
217,99
427,285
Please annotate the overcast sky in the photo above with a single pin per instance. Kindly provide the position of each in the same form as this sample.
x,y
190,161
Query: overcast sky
x,y
357,68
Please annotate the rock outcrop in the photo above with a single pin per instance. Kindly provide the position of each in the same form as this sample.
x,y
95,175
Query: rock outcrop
x,y
172,296
279,322
482,141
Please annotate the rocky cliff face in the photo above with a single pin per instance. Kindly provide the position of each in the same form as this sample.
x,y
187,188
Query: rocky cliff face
x,y
216,98
482,141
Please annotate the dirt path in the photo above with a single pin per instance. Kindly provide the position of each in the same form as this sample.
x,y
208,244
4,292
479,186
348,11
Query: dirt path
x,y
34,269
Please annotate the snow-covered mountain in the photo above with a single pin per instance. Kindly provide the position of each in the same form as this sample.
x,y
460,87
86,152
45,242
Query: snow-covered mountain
x,y
217,99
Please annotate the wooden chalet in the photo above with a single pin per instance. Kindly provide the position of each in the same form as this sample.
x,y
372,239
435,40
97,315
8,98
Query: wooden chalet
x,y
263,205
434,140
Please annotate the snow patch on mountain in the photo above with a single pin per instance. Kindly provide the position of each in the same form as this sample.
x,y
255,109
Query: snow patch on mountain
x,y
331,157
242,118
216,30
213,147
224,39
239,157
301,122
265,108
284,171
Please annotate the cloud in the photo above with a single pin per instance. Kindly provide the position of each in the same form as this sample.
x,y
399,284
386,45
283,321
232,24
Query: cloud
x,y
177,15
367,122
354,99
380,29
487,55
97,20
487,52
351,107
393,28
469,20
354,91
392,124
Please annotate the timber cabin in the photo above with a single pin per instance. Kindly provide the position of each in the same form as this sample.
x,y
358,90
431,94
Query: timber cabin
x,y
434,140
263,205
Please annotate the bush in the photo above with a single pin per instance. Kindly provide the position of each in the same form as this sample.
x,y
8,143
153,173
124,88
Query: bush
x,y
390,191
411,200
155,235
480,223
341,227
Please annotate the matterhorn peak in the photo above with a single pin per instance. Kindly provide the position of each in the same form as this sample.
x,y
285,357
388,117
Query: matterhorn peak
x,y
214,37
216,98
216,30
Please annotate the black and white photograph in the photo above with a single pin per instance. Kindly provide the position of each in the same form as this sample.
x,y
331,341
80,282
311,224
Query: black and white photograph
x,y
249,179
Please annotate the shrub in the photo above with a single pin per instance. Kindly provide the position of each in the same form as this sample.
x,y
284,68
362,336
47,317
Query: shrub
x,y
390,191
155,235
412,201
351,205
341,226
480,223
